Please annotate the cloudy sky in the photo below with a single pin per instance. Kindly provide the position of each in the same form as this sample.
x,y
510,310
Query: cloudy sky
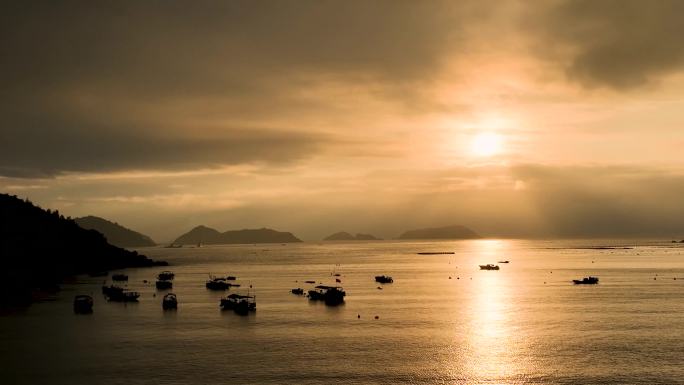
x,y
517,119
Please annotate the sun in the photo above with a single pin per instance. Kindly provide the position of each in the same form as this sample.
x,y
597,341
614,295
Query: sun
x,y
486,144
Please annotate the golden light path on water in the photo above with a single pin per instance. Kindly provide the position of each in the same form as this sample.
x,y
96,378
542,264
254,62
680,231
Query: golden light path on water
x,y
496,347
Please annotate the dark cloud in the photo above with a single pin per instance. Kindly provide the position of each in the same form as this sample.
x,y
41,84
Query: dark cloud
x,y
88,86
39,153
605,201
620,44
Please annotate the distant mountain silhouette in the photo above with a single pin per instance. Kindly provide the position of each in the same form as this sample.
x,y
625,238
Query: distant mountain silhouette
x,y
207,235
38,248
345,236
116,234
448,232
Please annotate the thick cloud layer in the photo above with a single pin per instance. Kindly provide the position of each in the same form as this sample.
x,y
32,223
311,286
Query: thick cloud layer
x,y
357,115
620,44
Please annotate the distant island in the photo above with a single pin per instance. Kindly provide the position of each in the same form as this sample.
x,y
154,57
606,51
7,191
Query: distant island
x,y
345,236
448,232
39,248
116,234
209,236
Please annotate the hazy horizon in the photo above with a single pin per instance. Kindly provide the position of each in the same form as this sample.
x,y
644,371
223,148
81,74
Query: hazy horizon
x,y
555,119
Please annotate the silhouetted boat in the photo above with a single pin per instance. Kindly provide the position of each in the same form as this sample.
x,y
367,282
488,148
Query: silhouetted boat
x,y
586,281
383,279
231,278
170,301
504,261
298,291
112,290
118,294
332,295
489,267
164,284
309,281
83,304
241,304
165,276
217,283
119,277
173,246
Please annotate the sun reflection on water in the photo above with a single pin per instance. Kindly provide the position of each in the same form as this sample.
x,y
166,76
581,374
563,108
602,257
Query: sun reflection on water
x,y
491,339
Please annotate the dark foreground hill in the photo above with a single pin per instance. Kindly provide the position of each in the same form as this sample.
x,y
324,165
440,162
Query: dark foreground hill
x,y
345,236
208,236
448,232
116,234
39,248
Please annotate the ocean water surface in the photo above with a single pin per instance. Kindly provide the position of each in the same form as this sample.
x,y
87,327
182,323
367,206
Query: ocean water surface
x,y
442,321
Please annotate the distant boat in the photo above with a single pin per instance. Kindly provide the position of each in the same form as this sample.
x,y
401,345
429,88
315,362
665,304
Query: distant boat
x,y
173,246
504,261
118,294
166,276
217,283
298,291
119,277
170,302
163,284
489,267
383,279
309,281
332,295
240,304
586,281
83,304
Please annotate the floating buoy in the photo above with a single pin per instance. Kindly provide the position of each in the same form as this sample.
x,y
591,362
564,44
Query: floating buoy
x,y
376,317
458,277
449,277
358,316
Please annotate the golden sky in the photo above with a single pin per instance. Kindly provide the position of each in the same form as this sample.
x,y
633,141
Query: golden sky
x,y
518,119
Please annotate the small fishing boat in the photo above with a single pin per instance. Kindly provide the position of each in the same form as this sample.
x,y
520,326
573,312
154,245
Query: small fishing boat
x,y
112,290
586,281
298,291
489,267
83,304
164,284
169,301
118,294
383,279
240,304
217,283
119,277
332,295
504,261
165,276
309,281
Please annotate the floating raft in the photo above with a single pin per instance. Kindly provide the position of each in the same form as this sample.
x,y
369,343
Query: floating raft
x,y
435,252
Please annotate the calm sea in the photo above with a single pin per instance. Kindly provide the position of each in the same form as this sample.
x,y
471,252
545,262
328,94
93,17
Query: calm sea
x,y
524,324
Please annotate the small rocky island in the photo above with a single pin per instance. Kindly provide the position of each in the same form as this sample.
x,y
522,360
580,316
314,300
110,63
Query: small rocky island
x,y
447,232
39,248
208,236
116,234
345,236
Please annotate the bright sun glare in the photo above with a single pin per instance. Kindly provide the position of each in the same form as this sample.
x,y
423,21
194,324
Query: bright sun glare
x,y
486,144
